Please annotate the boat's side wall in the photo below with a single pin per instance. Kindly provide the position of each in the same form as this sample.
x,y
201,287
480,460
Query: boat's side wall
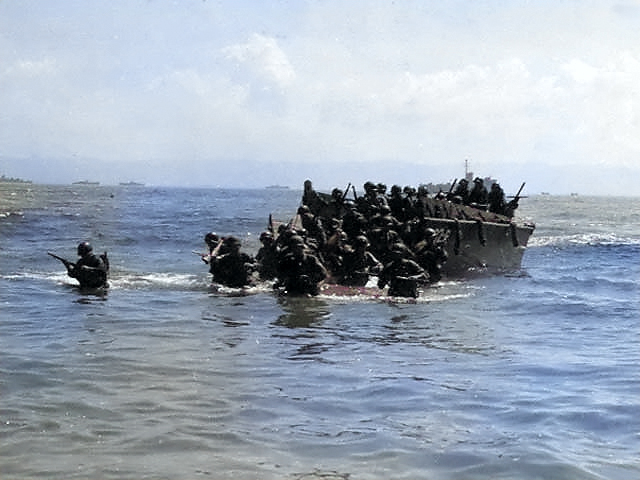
x,y
481,245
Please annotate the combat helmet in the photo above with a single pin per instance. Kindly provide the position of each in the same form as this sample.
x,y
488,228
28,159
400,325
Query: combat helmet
x,y
84,248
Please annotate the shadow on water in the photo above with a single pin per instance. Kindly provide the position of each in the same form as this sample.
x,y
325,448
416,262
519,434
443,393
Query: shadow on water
x,y
89,295
302,312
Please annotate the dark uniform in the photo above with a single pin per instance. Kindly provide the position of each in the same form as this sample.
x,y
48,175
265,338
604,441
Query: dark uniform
x,y
90,270
234,268
359,264
267,257
461,193
299,272
497,202
402,274
431,255
478,195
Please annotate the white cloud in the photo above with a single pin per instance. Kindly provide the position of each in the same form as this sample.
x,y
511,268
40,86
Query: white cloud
x,y
409,82
263,56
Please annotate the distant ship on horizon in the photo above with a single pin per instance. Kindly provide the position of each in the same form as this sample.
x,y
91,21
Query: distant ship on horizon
x,y
85,182
6,179
131,184
277,187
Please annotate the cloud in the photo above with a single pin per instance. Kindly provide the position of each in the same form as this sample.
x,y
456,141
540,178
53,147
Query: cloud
x,y
322,83
263,57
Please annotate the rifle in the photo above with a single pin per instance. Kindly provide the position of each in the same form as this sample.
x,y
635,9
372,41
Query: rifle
x,y
66,262
513,204
450,192
355,195
344,195
517,197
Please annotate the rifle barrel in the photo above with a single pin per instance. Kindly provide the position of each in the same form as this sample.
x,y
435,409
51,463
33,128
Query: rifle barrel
x,y
57,257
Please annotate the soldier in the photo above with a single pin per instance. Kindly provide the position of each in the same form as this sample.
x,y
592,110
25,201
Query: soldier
x,y
353,222
311,199
497,202
267,257
431,255
368,203
402,274
478,197
409,206
396,203
359,264
212,240
461,193
336,203
90,270
300,272
313,227
233,268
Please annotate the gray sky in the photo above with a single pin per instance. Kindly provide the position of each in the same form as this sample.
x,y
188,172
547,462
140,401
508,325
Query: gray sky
x,y
248,93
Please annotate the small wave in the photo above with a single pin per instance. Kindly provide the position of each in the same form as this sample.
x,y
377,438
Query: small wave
x,y
45,276
439,292
122,281
10,214
157,280
589,239
260,287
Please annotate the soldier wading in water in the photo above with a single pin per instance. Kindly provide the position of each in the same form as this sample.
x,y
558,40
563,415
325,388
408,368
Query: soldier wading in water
x,y
90,270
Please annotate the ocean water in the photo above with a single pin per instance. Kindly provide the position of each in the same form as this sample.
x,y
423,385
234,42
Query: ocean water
x,y
531,375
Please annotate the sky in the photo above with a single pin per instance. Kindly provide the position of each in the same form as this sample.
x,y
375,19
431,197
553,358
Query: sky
x,y
242,93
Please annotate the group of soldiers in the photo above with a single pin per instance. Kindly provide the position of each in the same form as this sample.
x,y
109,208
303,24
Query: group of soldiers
x,y
478,197
340,241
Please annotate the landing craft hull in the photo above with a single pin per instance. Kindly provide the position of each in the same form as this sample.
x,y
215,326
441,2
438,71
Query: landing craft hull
x,y
474,245
474,239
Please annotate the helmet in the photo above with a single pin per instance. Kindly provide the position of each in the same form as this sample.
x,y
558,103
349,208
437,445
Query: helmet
x,y
296,240
429,232
211,237
232,242
264,236
362,241
369,186
84,248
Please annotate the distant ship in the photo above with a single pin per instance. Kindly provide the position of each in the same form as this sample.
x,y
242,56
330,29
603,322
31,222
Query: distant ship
x,y
85,182
6,179
277,187
131,184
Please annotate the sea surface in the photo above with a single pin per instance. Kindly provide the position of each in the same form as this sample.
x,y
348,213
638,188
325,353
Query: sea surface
x,y
530,375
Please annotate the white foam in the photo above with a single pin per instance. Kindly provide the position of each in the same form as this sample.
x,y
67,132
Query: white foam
x,y
593,239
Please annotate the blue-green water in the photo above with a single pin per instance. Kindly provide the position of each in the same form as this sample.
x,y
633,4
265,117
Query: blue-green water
x,y
533,375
